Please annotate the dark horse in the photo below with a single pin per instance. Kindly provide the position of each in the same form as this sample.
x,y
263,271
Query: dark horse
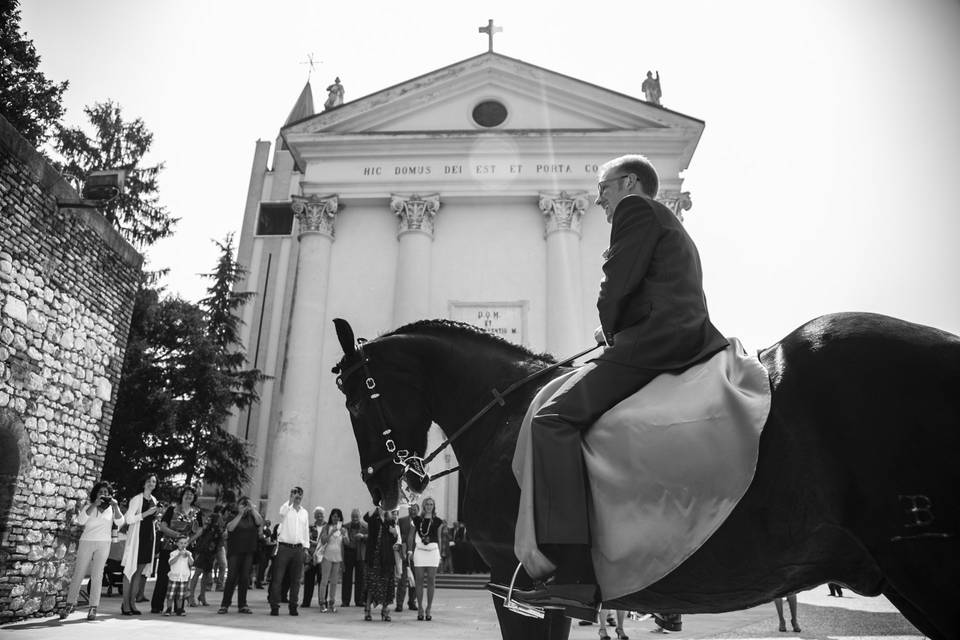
x,y
857,482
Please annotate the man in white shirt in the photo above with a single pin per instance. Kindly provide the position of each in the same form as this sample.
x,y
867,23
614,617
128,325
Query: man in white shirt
x,y
293,536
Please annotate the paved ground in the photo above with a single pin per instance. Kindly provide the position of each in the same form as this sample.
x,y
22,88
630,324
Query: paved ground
x,y
467,615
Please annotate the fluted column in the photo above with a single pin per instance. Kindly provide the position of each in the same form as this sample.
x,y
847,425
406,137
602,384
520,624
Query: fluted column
x,y
411,299
292,461
562,213
676,201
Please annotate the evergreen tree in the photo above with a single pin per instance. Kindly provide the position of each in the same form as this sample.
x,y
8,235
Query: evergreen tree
x,y
183,375
227,457
118,144
30,102
143,430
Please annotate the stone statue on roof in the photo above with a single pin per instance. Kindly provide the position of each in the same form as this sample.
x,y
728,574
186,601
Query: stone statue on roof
x,y
334,95
651,88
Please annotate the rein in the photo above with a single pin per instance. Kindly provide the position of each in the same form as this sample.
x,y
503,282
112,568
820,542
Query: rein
x,y
415,463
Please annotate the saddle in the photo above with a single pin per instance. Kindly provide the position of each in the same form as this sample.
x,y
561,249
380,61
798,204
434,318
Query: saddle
x,y
666,467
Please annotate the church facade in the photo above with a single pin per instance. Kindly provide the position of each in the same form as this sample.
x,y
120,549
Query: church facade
x,y
466,193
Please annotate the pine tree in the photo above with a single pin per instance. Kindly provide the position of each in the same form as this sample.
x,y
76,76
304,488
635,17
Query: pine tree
x,y
184,373
118,144
30,102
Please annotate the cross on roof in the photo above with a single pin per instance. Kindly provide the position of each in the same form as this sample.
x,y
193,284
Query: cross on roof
x,y
490,30
313,64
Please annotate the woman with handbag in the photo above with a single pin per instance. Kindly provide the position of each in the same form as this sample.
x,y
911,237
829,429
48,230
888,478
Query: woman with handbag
x,y
97,518
330,555
180,519
141,542
425,542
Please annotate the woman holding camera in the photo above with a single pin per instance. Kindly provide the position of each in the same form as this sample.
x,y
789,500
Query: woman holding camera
x,y
243,528
97,518
141,542
380,562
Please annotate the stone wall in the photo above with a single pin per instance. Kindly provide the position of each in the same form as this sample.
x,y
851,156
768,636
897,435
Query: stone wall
x,y
67,285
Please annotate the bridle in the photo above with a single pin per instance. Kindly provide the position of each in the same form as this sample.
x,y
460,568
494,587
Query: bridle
x,y
410,462
402,457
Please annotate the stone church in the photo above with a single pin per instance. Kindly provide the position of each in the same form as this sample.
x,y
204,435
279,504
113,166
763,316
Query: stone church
x,y
465,193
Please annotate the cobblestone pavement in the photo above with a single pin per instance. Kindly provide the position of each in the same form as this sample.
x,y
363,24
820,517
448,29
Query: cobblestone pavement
x,y
467,615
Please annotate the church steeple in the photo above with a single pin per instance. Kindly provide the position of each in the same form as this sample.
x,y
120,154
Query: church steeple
x,y
302,108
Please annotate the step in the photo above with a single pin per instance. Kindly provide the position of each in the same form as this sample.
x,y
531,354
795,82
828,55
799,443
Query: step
x,y
462,581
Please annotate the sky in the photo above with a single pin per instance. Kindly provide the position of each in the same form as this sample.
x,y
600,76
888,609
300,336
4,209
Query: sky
x,y
827,178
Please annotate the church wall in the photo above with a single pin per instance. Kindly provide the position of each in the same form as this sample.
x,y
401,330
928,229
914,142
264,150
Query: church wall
x,y
67,286
492,251
363,258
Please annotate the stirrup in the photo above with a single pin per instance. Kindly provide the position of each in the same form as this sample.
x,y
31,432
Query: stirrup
x,y
521,608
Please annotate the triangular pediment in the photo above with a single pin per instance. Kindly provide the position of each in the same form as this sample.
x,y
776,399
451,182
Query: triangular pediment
x,y
535,99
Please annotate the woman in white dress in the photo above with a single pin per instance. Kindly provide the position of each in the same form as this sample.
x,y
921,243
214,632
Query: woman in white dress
x,y
138,552
425,541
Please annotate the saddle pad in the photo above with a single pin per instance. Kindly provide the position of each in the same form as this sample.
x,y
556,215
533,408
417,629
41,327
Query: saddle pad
x,y
666,467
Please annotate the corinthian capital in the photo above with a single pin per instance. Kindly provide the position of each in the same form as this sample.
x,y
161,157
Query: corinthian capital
x,y
676,201
563,210
316,214
416,213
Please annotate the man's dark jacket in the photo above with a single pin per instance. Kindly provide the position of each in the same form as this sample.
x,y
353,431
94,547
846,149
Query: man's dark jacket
x,y
651,299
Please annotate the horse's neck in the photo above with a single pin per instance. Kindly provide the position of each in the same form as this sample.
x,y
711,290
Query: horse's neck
x,y
462,385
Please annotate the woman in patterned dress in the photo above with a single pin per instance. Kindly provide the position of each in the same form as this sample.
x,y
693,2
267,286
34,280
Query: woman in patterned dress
x,y
380,563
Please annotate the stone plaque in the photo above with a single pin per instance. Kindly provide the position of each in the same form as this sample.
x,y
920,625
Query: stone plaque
x,y
505,319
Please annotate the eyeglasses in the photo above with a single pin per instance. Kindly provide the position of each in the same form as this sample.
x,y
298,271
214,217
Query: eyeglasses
x,y
603,183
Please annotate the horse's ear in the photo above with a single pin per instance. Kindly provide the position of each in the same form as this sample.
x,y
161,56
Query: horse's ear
x,y
345,336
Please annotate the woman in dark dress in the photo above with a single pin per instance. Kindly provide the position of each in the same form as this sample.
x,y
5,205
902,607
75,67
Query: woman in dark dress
x,y
380,564
181,519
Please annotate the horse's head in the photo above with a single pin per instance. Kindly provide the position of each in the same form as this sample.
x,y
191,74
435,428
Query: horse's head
x,y
383,382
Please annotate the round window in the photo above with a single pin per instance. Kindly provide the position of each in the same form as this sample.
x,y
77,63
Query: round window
x,y
489,113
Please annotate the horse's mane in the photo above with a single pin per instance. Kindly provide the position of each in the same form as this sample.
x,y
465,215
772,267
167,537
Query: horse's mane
x,y
464,330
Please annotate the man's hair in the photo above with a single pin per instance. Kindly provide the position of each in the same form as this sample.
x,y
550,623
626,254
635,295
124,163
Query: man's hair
x,y
639,166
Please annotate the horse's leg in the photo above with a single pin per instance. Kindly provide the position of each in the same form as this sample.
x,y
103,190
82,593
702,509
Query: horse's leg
x,y
925,593
555,626
912,614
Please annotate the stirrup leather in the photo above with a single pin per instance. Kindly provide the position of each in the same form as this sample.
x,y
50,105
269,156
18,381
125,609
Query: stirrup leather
x,y
521,608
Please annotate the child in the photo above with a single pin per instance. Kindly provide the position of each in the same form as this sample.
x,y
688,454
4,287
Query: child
x,y
181,562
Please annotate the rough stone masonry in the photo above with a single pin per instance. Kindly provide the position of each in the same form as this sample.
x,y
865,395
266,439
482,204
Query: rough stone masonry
x,y
67,285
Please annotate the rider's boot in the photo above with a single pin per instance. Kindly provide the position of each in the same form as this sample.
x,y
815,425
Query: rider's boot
x,y
573,586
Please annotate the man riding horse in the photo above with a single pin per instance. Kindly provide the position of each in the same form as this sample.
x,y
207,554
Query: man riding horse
x,y
654,320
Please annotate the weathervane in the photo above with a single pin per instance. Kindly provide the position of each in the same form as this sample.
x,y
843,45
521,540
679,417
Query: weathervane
x,y
313,64
490,30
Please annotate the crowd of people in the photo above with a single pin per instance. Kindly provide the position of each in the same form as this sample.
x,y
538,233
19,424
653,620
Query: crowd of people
x,y
372,560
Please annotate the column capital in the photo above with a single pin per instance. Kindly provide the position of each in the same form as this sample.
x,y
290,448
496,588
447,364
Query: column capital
x,y
676,201
316,214
416,213
563,210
